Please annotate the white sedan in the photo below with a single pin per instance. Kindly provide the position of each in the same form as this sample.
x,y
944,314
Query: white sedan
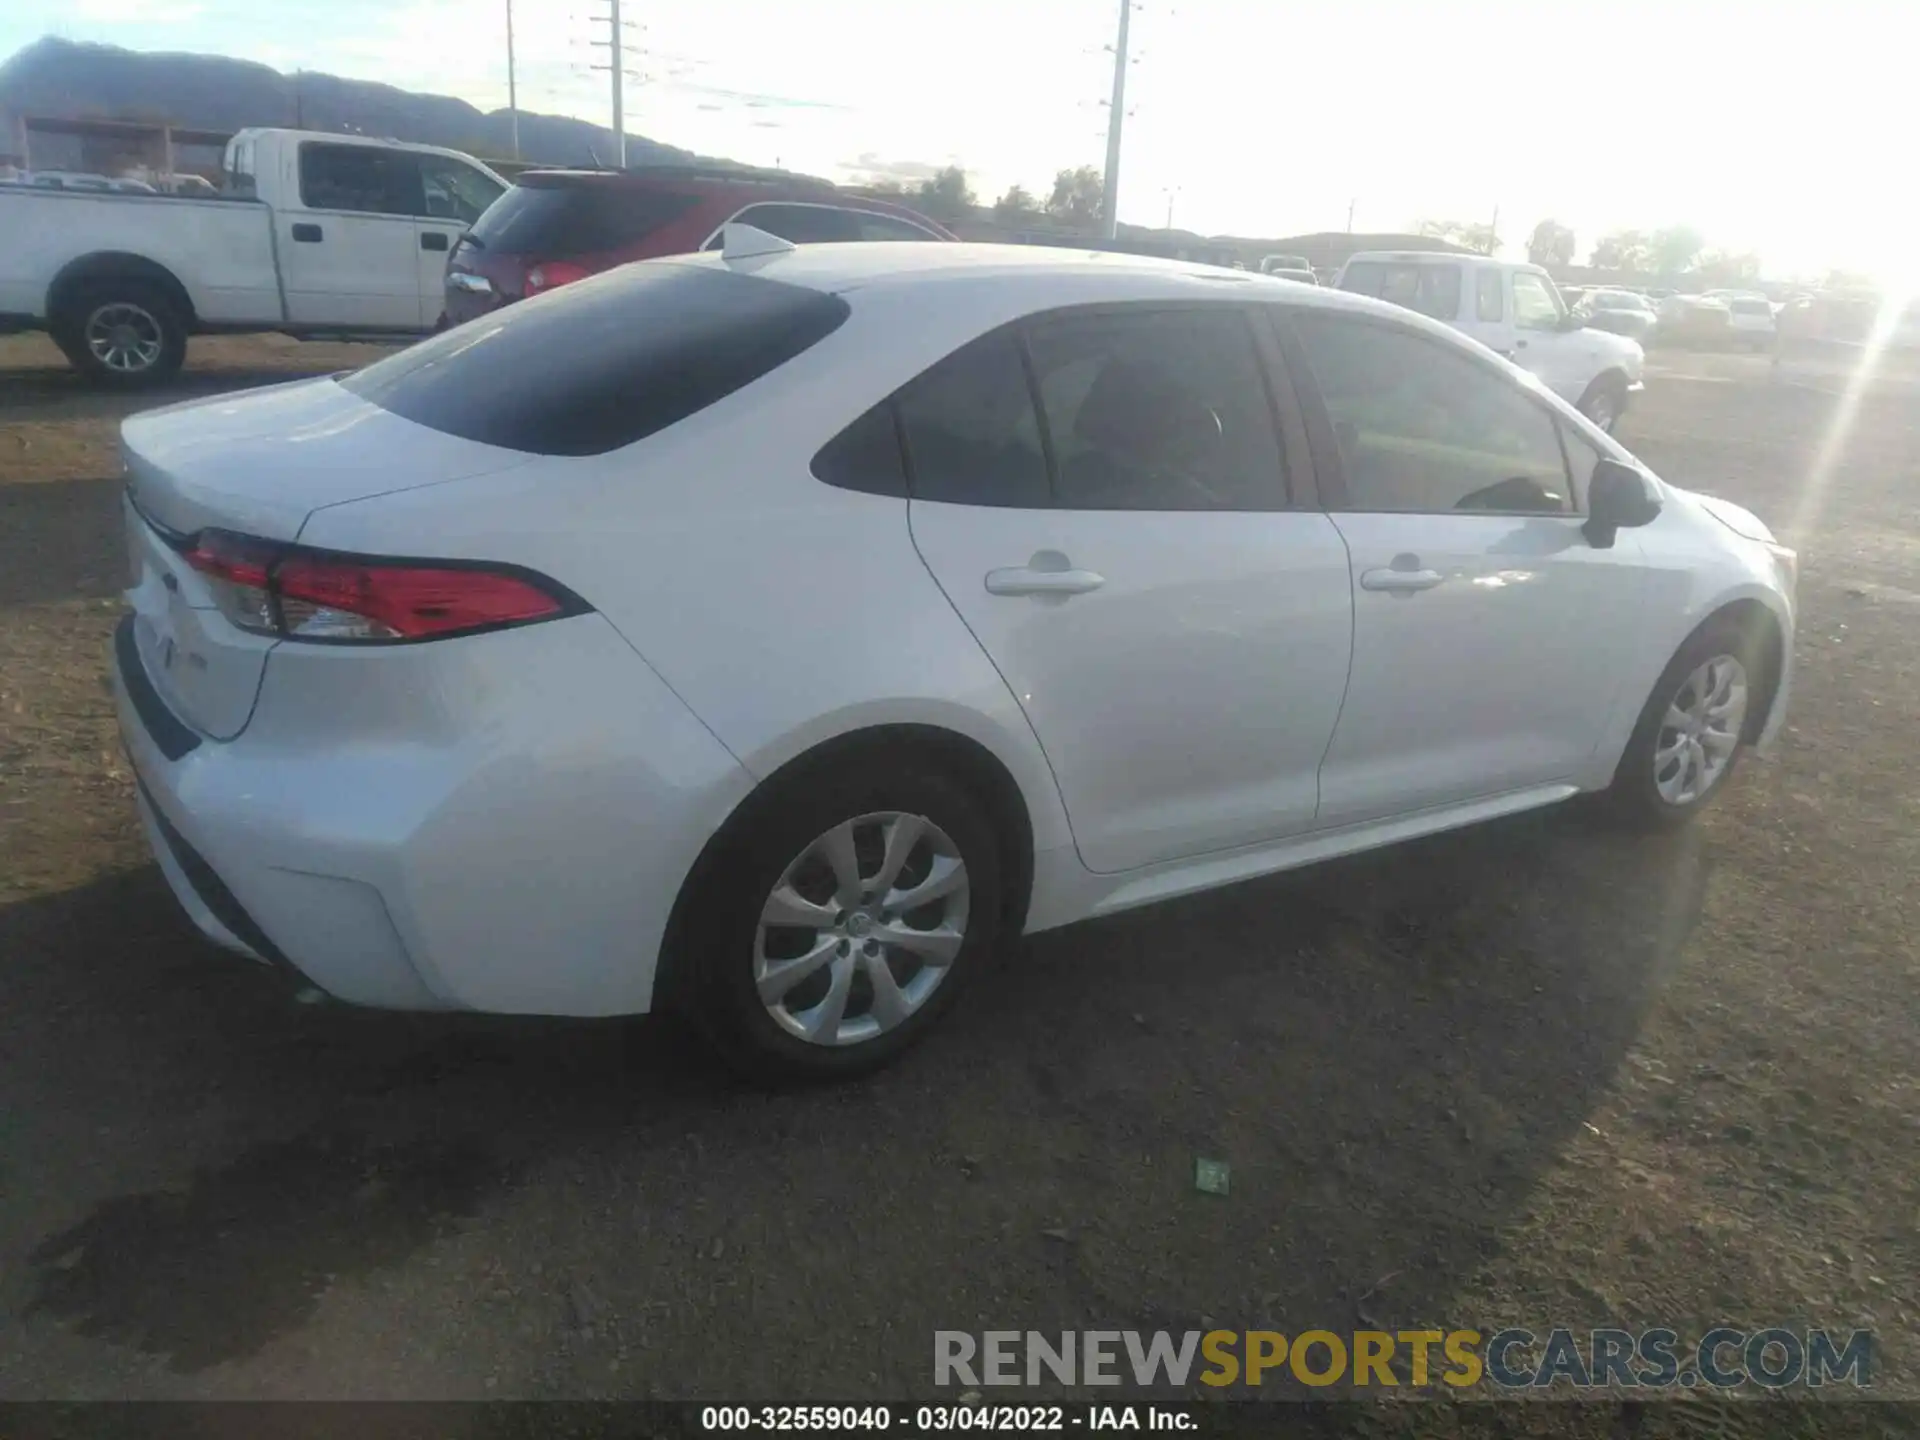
x,y
775,633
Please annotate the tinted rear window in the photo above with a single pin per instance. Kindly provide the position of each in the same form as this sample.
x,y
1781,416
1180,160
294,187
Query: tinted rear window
x,y
554,221
603,363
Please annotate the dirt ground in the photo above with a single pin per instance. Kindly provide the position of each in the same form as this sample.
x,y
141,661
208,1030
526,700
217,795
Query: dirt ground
x,y
1536,1074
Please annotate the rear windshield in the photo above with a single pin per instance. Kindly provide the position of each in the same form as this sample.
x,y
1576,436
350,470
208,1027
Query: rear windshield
x,y
1751,307
603,363
1431,289
555,221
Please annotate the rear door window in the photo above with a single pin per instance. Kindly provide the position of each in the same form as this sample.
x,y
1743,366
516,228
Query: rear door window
x,y
972,435
801,224
554,221
1432,289
603,363
363,178
1157,410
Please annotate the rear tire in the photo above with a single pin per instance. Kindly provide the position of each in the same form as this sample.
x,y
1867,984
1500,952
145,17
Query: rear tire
x,y
778,862
126,334
1688,739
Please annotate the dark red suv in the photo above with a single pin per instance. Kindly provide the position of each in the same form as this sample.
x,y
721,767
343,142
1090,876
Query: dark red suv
x,y
557,226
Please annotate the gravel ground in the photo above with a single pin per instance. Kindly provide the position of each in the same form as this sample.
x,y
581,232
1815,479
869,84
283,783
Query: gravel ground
x,y
1535,1074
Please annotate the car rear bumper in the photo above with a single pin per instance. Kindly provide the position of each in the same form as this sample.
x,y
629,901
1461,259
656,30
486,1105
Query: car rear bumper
x,y
524,864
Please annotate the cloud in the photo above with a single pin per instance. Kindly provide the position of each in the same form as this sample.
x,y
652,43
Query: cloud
x,y
136,12
871,166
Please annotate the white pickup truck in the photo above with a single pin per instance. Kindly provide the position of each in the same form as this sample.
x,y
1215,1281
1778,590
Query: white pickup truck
x,y
312,234
1512,308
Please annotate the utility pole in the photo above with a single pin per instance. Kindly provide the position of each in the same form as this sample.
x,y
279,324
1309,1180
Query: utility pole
x,y
1493,233
513,100
1116,115
616,43
1350,205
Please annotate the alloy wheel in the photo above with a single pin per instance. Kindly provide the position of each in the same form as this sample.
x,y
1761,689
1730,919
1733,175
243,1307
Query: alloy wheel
x,y
124,337
862,927
1700,730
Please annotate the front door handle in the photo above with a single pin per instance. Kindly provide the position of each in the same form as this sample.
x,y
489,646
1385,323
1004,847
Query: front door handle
x,y
305,233
433,240
1048,573
1400,582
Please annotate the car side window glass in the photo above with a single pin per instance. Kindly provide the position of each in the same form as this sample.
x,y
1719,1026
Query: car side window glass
x,y
865,456
1422,427
1431,289
1535,307
1489,303
453,191
1157,410
360,177
801,224
970,430
868,226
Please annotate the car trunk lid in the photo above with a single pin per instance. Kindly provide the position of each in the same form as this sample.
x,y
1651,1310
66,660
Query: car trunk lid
x,y
256,465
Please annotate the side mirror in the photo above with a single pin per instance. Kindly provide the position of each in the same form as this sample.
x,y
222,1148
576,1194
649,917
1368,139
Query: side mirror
x,y
1618,498
1574,320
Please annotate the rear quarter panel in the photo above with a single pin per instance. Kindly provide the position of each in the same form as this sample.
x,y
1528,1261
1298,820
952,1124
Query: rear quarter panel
x,y
783,611
221,251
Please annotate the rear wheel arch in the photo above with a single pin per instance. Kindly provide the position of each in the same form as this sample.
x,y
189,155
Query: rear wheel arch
x,y
957,757
104,266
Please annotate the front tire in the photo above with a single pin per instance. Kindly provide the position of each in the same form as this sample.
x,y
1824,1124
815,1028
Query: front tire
x,y
1605,402
126,334
1687,741
842,920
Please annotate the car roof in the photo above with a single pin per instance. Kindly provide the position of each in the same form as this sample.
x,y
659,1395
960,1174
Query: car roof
x,y
1436,257
1053,276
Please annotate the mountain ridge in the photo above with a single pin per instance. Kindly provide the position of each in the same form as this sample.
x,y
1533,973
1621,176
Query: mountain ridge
x,y
66,79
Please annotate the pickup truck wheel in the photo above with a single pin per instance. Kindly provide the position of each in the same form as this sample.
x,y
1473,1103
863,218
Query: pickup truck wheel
x,y
1604,402
123,333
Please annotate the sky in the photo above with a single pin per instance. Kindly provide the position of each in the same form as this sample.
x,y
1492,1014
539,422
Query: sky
x,y
1780,128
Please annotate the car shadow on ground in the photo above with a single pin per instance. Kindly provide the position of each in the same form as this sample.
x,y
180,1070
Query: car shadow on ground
x,y
1387,1051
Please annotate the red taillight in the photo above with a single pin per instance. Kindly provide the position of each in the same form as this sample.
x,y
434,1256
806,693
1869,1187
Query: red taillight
x,y
353,599
552,274
313,595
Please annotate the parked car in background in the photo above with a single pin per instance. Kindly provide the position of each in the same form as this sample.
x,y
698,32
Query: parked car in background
x,y
491,677
313,234
1751,317
1275,264
1623,312
1304,277
1694,321
558,226
1513,309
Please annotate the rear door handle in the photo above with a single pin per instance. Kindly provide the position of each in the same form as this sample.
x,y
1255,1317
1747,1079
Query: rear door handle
x,y
433,240
306,234
1400,582
1027,580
